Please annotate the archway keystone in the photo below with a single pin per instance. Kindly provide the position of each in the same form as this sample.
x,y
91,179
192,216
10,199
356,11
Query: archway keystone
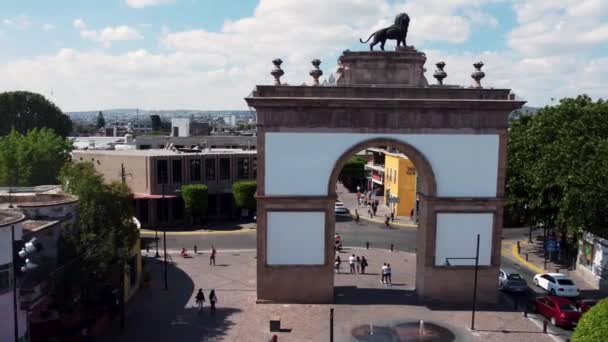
x,y
455,136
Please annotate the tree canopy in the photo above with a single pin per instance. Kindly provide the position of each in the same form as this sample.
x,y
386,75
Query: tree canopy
x,y
101,121
244,194
101,240
24,111
195,199
557,166
353,172
32,159
593,326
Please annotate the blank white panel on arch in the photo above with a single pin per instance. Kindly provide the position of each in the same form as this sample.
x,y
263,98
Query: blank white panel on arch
x,y
457,237
295,238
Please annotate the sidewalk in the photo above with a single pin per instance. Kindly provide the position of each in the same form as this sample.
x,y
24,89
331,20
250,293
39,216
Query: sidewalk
x,y
350,202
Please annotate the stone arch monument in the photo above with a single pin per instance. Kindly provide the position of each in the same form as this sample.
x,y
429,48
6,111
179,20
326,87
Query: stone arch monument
x,y
456,136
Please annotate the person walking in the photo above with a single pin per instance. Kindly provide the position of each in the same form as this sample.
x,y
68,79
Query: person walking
x,y
374,208
358,265
338,263
212,255
371,214
386,220
363,264
351,262
393,215
212,301
388,279
383,273
356,216
200,299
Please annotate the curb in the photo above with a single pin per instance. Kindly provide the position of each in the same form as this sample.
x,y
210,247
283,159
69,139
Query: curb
x,y
523,261
148,232
397,224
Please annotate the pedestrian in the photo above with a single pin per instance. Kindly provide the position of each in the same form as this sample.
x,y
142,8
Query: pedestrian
x,y
363,264
338,263
393,215
212,255
358,265
212,301
386,220
383,273
351,262
389,281
200,299
356,216
374,208
371,214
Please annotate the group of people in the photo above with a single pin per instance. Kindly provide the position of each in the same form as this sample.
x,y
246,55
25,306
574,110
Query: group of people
x,y
184,254
200,300
356,264
386,274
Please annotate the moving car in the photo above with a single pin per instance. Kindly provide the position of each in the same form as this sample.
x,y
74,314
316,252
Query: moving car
x,y
511,281
584,305
340,209
557,284
560,311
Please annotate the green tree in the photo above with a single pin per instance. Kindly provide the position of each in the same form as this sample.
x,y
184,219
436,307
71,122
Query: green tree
x,y
244,194
593,326
99,244
557,166
32,159
101,122
353,172
24,111
195,200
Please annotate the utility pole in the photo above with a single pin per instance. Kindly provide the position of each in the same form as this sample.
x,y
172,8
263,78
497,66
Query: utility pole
x,y
165,247
475,285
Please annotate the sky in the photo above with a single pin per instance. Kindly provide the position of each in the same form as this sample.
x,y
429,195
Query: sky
x,y
210,54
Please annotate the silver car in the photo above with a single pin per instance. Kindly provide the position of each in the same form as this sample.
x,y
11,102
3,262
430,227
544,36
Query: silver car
x,y
511,281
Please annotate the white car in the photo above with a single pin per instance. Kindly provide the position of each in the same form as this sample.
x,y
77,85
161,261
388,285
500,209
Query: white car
x,y
340,209
557,284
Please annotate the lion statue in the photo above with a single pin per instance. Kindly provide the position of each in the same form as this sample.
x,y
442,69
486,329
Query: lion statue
x,y
397,31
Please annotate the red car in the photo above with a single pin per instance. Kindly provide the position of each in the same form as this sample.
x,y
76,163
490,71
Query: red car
x,y
560,311
585,304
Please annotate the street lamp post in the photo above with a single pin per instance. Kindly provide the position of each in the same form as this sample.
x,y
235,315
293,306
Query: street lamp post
x,y
16,322
162,205
476,258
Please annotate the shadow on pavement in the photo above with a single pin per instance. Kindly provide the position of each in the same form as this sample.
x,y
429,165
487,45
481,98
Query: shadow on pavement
x,y
154,314
353,295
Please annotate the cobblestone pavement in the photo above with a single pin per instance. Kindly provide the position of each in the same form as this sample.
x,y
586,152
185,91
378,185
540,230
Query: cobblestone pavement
x,y
158,315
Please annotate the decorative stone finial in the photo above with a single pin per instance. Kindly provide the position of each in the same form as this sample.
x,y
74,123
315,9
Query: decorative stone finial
x,y
277,72
477,75
439,73
316,72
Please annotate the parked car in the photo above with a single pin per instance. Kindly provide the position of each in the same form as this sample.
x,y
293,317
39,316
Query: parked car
x,y
340,209
511,281
560,311
584,305
557,284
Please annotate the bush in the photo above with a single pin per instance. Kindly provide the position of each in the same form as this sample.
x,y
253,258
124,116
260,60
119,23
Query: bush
x,y
244,194
195,199
593,326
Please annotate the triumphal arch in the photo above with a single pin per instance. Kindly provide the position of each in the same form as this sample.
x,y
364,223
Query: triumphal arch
x,y
455,135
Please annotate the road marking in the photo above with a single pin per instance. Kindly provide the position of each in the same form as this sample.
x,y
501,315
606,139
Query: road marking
x,y
523,261
148,232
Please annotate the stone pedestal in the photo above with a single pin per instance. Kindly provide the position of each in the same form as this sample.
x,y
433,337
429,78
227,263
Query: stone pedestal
x,y
404,67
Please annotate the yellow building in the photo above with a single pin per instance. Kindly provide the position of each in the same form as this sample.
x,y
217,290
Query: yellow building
x,y
399,183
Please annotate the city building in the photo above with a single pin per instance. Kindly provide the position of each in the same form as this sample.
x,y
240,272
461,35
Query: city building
x,y
392,175
156,175
185,127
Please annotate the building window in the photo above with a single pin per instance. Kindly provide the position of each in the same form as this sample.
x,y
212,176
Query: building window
x,y
390,175
242,168
254,167
195,170
224,168
210,169
5,278
177,170
395,176
161,171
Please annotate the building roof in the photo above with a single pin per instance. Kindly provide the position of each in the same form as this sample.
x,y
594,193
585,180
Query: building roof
x,y
166,153
8,217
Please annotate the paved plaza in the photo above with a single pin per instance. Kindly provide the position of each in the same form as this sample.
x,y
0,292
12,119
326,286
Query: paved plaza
x,y
158,315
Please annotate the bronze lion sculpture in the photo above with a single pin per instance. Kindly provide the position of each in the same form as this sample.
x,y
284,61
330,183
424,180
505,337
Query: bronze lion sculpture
x,y
397,31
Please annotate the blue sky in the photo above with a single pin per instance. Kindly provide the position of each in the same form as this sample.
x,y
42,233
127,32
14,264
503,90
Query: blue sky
x,y
209,54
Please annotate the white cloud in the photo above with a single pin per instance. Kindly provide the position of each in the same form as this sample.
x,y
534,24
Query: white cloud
x,y
79,24
108,35
146,3
48,27
205,69
21,22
